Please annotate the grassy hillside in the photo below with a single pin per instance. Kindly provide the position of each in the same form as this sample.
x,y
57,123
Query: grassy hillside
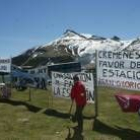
x,y
46,118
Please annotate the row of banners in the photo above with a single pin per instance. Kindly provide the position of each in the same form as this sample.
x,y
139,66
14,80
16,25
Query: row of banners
x,y
114,69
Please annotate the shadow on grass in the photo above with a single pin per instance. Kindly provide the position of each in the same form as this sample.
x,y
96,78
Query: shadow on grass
x,y
76,135
89,117
30,107
55,113
52,112
123,133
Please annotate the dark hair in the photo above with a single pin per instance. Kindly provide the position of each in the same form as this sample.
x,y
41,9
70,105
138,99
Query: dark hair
x,y
76,78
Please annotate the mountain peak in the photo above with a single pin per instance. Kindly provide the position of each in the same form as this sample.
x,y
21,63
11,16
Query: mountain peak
x,y
73,46
116,38
72,33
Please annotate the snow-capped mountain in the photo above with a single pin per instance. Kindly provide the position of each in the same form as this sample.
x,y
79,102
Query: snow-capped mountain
x,y
72,46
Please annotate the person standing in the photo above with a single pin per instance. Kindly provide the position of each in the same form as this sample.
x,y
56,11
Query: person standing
x,y
78,94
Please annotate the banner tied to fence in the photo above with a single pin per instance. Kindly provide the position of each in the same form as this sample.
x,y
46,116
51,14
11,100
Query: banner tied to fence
x,y
119,69
5,65
62,84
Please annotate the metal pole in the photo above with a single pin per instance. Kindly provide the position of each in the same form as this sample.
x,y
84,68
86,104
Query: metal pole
x,y
3,79
29,94
11,85
95,86
71,108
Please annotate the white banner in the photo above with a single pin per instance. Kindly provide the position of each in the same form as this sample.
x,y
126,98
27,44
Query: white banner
x,y
62,84
5,65
119,69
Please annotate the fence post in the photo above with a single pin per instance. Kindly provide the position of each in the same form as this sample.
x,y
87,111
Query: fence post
x,y
29,94
95,86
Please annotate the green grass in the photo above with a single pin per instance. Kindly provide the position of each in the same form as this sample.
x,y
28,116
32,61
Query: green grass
x,y
46,118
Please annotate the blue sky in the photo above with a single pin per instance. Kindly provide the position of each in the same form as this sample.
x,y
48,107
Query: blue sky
x,y
28,23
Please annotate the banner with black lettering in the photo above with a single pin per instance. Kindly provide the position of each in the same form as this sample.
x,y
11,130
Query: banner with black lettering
x,y
5,65
62,84
119,69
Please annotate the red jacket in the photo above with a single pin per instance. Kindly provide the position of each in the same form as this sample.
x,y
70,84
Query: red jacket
x,y
78,93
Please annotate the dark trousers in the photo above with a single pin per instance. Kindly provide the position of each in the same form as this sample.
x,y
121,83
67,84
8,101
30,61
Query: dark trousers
x,y
78,116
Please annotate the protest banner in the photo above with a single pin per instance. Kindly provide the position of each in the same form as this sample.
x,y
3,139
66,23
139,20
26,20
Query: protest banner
x,y
62,84
119,69
5,65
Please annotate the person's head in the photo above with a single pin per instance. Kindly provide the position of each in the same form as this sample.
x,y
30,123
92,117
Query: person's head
x,y
75,78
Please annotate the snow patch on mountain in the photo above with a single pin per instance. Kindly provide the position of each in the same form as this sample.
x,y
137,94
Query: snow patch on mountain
x,y
87,44
83,46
